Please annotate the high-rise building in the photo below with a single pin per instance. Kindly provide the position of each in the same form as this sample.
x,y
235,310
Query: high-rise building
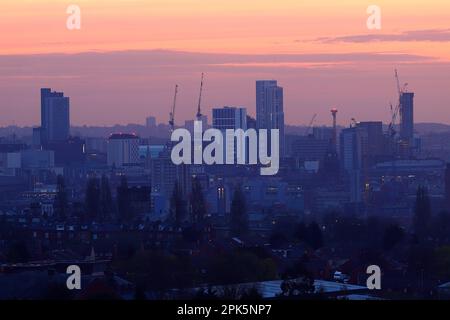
x,y
165,175
309,148
407,117
269,108
351,145
229,118
123,150
361,146
323,133
55,116
372,140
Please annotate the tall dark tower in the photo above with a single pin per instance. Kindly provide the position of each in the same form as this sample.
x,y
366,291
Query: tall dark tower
x,y
407,116
334,112
55,116
269,108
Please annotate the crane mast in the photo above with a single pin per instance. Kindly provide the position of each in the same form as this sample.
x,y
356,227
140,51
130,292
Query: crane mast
x,y
308,129
398,108
199,110
172,113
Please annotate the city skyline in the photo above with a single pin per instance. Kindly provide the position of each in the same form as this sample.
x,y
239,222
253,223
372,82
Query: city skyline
x,y
199,151
111,64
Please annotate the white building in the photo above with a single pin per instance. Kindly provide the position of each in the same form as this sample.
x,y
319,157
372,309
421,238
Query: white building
x,y
123,149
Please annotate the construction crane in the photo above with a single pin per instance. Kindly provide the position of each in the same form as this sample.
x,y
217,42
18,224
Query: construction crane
x,y
199,109
395,111
310,124
172,113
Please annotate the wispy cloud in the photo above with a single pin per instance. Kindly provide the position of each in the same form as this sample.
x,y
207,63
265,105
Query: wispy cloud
x,y
430,35
139,62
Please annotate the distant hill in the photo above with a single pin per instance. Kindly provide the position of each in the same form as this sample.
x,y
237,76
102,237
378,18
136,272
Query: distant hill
x,y
424,128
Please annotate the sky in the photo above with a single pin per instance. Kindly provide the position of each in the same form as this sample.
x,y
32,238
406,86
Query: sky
x,y
124,61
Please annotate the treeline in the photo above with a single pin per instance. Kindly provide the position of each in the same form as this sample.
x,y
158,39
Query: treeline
x,y
99,205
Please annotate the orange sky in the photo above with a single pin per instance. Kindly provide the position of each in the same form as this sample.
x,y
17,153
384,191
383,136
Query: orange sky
x,y
249,26
334,59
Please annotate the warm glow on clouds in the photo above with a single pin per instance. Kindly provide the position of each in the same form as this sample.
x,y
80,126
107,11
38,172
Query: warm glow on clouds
x,y
320,51
250,26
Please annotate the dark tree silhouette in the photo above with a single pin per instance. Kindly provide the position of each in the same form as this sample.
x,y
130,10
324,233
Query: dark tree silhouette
x,y
422,213
238,214
314,236
18,252
198,206
300,287
105,199
311,234
206,294
60,202
392,236
440,227
176,205
300,232
92,201
124,202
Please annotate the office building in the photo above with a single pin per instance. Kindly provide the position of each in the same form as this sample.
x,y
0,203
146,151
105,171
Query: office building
x,y
373,148
164,175
309,148
323,133
123,150
269,108
229,118
407,117
55,116
351,160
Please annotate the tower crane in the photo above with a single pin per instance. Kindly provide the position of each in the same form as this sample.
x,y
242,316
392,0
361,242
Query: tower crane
x,y
199,110
310,124
398,108
172,113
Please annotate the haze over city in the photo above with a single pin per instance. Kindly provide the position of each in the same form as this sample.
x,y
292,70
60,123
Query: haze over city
x,y
122,64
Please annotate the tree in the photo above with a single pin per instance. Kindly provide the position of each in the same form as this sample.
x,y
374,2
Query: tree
x,y
92,201
206,294
238,214
105,199
60,202
123,201
440,227
239,266
392,236
198,206
314,236
176,205
422,212
18,252
300,287
300,232
311,234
